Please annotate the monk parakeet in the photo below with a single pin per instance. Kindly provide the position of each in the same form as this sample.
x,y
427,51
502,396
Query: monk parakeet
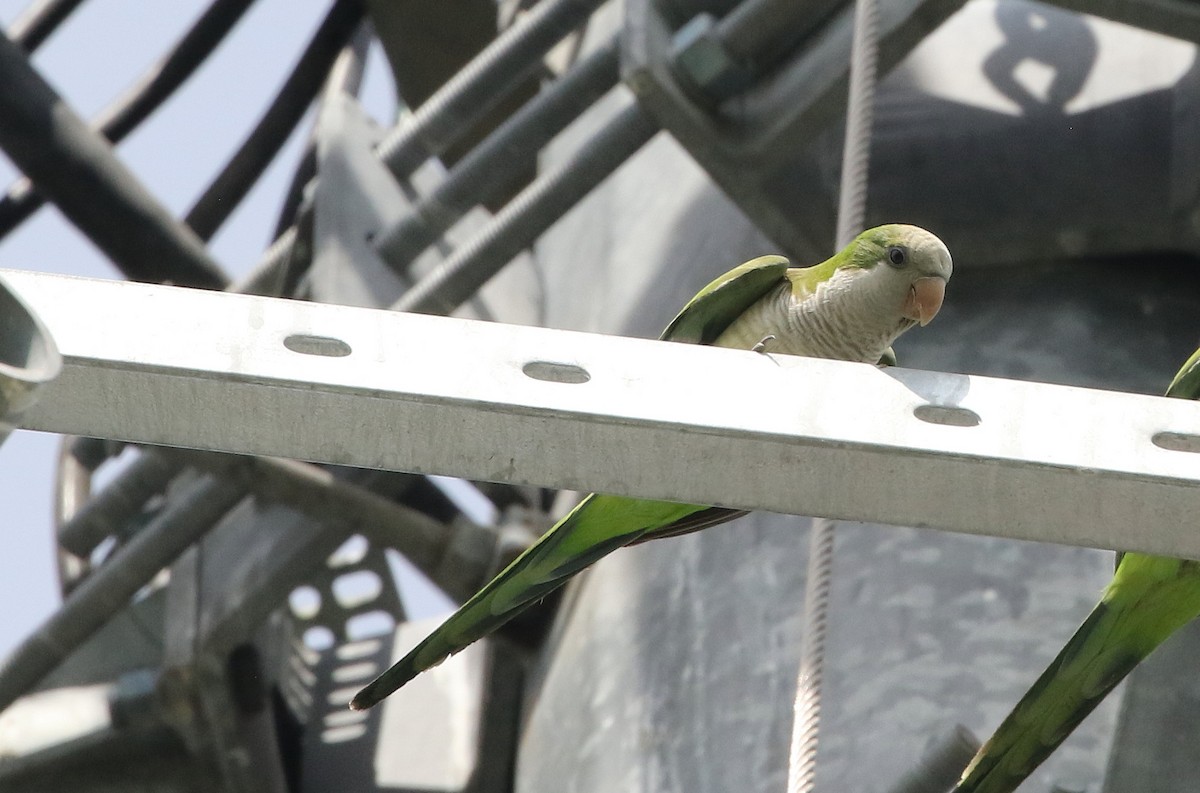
x,y
1148,599
849,307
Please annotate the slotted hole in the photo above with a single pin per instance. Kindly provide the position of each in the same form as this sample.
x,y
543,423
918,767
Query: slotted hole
x,y
297,695
551,372
340,696
303,669
318,638
947,416
351,672
308,344
356,650
343,734
352,551
342,718
305,602
303,654
372,623
355,589
1176,441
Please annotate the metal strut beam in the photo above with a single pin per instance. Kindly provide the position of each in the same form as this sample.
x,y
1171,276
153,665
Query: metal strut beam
x,y
504,403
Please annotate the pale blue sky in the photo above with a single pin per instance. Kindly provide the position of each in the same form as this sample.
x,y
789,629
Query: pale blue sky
x,y
90,60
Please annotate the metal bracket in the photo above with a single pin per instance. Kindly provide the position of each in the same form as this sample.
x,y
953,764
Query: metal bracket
x,y
748,139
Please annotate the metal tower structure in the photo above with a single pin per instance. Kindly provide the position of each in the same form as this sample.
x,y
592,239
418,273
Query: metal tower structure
x,y
587,165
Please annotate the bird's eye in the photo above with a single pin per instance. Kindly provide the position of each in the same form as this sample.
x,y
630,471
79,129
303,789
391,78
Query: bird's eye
x,y
897,256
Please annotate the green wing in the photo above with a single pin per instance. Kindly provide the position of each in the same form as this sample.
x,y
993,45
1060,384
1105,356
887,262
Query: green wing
x,y
1186,383
716,306
1149,598
705,317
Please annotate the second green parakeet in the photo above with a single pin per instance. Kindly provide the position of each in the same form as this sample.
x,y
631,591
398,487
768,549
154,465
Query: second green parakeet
x,y
1148,599
850,307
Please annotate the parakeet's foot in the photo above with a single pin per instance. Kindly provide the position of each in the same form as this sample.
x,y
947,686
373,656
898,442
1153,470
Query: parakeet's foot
x,y
761,347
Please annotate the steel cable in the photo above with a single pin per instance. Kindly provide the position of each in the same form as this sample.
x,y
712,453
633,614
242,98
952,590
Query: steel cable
x,y
802,761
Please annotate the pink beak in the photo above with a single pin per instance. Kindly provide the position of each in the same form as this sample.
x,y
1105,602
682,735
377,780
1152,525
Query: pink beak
x,y
924,300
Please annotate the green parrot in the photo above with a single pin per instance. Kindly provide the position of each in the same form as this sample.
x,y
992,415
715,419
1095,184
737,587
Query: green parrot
x,y
850,307
1148,599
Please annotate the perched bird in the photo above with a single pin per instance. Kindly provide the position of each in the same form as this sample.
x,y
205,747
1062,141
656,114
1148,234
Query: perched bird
x,y
850,307
1148,599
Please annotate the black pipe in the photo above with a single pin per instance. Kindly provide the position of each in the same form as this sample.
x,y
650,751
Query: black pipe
x,y
76,168
38,21
268,136
141,99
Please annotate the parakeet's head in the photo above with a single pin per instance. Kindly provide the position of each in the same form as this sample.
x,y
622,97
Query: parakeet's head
x,y
906,264
855,304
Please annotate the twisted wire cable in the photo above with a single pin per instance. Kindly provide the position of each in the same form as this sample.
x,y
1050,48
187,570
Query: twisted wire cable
x,y
852,201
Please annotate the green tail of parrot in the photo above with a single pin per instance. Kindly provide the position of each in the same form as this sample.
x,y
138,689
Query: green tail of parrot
x,y
1149,598
599,525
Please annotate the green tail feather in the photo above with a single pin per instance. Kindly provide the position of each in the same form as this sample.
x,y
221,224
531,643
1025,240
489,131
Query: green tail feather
x,y
598,526
1084,672
1149,598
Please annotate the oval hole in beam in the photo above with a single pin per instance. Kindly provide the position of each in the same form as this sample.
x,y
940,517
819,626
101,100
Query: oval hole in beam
x,y
947,416
1176,441
325,346
551,372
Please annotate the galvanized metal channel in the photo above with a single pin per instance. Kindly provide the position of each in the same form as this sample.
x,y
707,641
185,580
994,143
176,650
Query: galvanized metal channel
x,y
493,402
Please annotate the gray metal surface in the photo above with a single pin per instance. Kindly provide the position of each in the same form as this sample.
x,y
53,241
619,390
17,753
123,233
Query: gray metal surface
x,y
451,704
218,703
1175,18
357,199
28,358
1022,459
109,759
